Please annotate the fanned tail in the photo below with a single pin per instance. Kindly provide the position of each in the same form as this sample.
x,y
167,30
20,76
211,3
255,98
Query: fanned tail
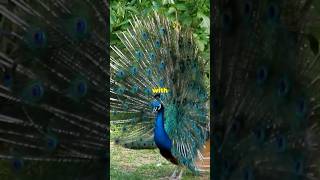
x,y
159,58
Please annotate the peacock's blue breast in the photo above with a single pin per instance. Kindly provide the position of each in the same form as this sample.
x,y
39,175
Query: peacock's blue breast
x,y
161,138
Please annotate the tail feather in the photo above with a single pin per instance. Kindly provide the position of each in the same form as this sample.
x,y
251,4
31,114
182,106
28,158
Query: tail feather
x,y
52,85
266,91
203,160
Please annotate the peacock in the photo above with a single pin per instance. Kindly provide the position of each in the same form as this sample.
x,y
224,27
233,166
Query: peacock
x,y
53,80
265,91
158,94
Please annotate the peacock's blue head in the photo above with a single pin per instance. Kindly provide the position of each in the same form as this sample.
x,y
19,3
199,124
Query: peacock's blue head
x,y
157,105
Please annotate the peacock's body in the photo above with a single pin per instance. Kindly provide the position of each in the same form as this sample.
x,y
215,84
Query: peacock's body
x,y
266,90
52,86
159,57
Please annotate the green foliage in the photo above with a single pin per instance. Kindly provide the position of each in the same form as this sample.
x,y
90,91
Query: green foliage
x,y
192,14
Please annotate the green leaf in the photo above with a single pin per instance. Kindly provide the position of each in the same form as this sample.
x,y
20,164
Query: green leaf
x,y
133,9
199,44
155,5
124,22
133,2
164,2
171,10
205,23
121,12
181,7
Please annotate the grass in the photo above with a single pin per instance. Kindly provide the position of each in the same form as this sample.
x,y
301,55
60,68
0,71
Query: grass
x,y
142,165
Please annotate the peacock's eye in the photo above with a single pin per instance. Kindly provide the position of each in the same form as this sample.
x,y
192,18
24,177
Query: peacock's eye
x,y
37,90
120,90
52,143
81,26
280,143
301,107
152,56
273,12
162,65
157,43
262,75
126,105
162,31
149,72
135,89
298,166
147,91
39,37
161,82
7,79
120,74
17,164
139,55
283,87
145,36
260,134
134,70
82,87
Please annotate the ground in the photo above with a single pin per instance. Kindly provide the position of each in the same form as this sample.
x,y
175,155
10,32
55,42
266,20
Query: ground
x,y
129,164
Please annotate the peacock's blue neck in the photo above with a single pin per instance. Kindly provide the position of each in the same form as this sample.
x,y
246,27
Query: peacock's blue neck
x,y
161,138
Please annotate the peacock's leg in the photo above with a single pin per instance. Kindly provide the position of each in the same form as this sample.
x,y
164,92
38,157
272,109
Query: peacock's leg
x,y
174,174
180,174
